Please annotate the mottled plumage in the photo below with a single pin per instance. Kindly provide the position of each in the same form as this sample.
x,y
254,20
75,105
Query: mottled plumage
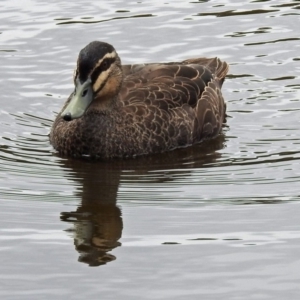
x,y
124,111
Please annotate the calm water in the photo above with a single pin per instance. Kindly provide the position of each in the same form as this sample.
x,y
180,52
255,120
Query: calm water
x,y
217,220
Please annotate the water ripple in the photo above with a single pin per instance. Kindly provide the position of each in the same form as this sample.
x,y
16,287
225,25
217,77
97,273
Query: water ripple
x,y
225,210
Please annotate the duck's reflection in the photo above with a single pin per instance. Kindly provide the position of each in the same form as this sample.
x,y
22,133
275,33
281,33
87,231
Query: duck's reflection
x,y
97,229
97,222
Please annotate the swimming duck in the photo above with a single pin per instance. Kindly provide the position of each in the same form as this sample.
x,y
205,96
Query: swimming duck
x,y
125,111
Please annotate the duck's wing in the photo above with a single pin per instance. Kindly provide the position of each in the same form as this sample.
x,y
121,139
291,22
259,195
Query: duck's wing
x,y
211,108
215,65
192,87
165,85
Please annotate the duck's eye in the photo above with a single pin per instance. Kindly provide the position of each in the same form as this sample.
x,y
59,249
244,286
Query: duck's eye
x,y
104,65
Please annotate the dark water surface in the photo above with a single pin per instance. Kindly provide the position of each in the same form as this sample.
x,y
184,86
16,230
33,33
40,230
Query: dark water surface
x,y
217,220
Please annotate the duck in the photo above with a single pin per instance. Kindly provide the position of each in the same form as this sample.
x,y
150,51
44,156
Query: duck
x,y
120,111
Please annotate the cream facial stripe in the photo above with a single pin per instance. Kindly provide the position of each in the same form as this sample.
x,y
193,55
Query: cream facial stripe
x,y
106,56
99,83
101,79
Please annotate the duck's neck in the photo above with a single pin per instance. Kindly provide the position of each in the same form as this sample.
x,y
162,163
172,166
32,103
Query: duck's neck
x,y
105,105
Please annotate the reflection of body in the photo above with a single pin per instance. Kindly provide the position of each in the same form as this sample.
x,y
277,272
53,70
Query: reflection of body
x,y
97,230
98,222
125,111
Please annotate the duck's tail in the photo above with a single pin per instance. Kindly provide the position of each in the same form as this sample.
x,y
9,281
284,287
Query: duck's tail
x,y
211,108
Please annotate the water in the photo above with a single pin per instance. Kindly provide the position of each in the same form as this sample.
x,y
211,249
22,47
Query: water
x,y
219,219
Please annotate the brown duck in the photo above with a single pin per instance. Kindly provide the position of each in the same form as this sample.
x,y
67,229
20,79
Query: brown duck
x,y
124,111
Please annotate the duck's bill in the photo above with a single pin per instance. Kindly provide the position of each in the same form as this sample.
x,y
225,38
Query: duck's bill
x,y
80,101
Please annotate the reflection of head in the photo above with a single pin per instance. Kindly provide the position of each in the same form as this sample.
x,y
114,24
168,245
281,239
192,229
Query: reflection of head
x,y
97,229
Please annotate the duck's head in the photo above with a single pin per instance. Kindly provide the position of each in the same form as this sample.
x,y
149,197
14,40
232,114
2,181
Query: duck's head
x,y
97,78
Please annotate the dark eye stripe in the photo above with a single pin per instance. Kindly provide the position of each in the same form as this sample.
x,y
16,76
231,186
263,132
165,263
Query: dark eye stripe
x,y
106,63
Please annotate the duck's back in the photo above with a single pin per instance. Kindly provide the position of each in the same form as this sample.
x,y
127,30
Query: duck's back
x,y
176,103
